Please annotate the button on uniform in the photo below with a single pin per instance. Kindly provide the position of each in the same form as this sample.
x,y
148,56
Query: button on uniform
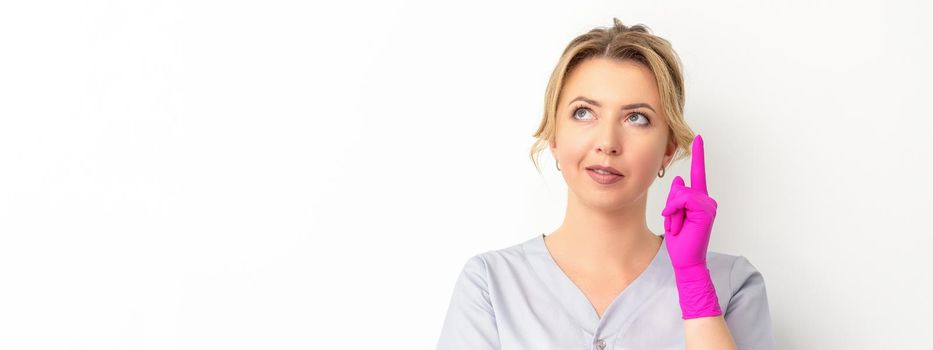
x,y
601,344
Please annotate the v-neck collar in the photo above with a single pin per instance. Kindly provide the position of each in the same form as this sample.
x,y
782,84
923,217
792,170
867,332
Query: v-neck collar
x,y
621,311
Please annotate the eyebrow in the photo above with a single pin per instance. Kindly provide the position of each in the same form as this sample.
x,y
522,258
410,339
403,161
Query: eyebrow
x,y
628,106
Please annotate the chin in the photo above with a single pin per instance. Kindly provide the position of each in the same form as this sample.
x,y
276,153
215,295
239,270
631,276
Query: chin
x,y
605,198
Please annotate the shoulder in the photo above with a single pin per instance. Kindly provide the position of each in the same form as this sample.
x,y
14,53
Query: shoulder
x,y
734,272
509,254
485,263
728,262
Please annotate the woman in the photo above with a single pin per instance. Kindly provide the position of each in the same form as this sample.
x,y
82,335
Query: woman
x,y
614,119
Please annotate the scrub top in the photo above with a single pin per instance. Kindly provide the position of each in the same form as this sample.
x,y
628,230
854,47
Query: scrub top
x,y
519,298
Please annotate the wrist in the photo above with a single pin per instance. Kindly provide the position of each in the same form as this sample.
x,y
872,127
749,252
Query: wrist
x,y
696,291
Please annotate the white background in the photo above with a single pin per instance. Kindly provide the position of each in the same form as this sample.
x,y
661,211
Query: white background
x,y
289,175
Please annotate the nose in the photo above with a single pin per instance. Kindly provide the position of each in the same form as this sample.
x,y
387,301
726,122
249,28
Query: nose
x,y
609,149
608,142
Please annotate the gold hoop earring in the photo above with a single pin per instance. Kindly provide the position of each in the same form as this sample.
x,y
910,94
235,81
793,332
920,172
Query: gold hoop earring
x,y
661,173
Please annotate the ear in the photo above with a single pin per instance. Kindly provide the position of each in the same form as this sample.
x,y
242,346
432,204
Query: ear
x,y
669,152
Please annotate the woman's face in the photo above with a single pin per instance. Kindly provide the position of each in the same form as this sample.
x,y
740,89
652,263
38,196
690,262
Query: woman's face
x,y
609,113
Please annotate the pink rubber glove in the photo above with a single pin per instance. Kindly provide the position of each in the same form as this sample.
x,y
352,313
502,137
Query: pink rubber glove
x,y
688,222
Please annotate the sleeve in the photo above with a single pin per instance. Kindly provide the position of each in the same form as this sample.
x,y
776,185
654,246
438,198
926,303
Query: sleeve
x,y
470,322
747,314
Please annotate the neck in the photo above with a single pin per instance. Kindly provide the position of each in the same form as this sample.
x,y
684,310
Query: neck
x,y
601,240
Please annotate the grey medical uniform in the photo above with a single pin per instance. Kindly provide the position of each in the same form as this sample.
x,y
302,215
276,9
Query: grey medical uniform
x,y
519,298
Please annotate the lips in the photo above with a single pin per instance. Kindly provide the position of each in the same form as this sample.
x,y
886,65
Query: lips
x,y
605,168
605,179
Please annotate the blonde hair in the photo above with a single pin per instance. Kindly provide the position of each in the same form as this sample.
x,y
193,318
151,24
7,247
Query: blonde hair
x,y
621,42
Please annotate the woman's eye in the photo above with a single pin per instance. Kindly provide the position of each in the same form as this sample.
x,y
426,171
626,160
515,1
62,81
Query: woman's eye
x,y
576,113
646,122
632,117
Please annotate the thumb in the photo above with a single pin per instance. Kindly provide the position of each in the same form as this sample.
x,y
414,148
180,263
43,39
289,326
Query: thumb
x,y
678,182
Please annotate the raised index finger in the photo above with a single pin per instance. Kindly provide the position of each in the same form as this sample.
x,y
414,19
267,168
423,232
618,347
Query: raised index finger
x,y
698,166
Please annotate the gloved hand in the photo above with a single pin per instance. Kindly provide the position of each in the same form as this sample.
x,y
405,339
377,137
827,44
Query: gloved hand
x,y
688,222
